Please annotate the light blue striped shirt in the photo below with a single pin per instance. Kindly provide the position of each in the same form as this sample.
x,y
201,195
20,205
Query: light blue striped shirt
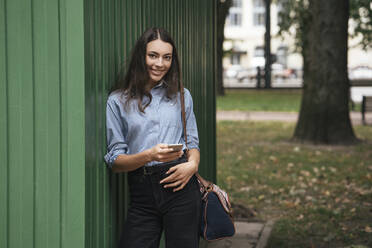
x,y
129,131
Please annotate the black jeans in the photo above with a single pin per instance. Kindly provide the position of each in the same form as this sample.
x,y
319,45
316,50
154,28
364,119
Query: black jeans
x,y
153,208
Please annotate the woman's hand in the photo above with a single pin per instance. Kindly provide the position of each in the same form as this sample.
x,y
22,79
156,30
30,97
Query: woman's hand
x,y
180,175
162,153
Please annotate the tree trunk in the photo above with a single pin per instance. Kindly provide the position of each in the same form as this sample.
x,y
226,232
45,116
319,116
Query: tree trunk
x,y
222,11
324,115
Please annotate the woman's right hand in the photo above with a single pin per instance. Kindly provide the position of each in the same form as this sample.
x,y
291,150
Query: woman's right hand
x,y
162,153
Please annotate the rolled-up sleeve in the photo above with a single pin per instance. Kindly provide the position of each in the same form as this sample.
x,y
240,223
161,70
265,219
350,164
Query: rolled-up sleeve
x,y
115,132
191,126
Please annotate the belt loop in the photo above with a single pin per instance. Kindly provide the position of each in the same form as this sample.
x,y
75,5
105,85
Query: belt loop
x,y
146,172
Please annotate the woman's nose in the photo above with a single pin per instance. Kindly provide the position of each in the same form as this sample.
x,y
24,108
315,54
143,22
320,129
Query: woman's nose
x,y
159,62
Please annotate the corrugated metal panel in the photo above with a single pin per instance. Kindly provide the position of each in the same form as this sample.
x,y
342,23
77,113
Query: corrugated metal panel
x,y
42,123
105,194
111,28
57,190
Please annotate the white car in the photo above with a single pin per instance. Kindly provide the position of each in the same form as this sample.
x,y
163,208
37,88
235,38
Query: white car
x,y
360,72
233,71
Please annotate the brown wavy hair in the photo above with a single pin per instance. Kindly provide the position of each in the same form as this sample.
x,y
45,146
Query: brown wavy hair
x,y
135,82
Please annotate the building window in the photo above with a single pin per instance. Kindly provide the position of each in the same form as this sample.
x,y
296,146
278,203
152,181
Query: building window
x,y
280,9
235,59
235,14
259,51
237,3
258,12
281,55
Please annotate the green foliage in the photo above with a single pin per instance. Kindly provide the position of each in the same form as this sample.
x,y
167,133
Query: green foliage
x,y
361,16
295,19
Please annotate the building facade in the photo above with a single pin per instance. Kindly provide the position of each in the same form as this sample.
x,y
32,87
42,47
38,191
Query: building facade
x,y
244,39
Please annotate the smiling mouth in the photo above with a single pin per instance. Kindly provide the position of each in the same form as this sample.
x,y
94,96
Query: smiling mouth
x,y
156,73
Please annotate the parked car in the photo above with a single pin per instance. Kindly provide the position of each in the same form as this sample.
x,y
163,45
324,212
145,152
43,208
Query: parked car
x,y
233,71
360,72
278,71
247,73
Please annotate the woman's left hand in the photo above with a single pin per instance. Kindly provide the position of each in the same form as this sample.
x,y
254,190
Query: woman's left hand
x,y
179,175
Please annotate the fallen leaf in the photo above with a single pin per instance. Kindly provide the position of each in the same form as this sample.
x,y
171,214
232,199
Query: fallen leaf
x,y
334,170
305,173
274,159
245,189
368,229
327,193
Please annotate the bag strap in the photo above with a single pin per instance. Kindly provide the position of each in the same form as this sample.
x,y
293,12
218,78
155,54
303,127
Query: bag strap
x,y
206,184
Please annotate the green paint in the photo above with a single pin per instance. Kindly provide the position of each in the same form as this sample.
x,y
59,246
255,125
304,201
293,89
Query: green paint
x,y
58,59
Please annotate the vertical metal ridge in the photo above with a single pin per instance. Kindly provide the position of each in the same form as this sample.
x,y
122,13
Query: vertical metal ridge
x,y
61,126
7,120
33,124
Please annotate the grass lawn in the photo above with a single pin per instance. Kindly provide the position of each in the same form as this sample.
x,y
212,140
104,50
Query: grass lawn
x,y
262,100
319,196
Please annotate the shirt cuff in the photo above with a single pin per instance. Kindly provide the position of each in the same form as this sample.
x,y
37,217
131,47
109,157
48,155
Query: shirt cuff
x,y
193,146
111,156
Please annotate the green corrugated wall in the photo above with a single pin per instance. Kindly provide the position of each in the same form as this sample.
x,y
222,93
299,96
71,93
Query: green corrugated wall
x,y
42,125
111,30
58,59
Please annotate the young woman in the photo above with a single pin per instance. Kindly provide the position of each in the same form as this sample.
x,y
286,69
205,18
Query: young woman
x,y
143,118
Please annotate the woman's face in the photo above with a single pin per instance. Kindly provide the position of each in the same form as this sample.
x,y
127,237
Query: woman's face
x,y
158,59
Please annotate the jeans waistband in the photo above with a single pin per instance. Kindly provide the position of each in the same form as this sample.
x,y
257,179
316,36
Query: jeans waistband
x,y
158,168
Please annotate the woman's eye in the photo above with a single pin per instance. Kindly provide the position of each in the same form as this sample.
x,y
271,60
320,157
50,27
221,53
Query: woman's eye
x,y
168,58
152,56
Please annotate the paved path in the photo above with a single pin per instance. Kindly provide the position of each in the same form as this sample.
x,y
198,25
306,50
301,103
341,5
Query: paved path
x,y
247,235
356,117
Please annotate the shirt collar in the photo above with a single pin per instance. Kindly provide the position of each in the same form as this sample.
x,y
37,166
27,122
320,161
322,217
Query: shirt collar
x,y
160,85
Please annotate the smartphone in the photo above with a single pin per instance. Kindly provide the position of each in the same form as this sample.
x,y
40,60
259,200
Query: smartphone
x,y
175,147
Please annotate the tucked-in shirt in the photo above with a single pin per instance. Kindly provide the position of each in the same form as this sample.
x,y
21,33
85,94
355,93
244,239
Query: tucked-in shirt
x,y
130,131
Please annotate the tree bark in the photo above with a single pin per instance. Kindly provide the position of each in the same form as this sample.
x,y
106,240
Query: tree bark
x,y
222,11
324,114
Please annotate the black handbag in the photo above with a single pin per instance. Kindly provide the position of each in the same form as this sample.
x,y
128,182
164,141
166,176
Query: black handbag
x,y
216,213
